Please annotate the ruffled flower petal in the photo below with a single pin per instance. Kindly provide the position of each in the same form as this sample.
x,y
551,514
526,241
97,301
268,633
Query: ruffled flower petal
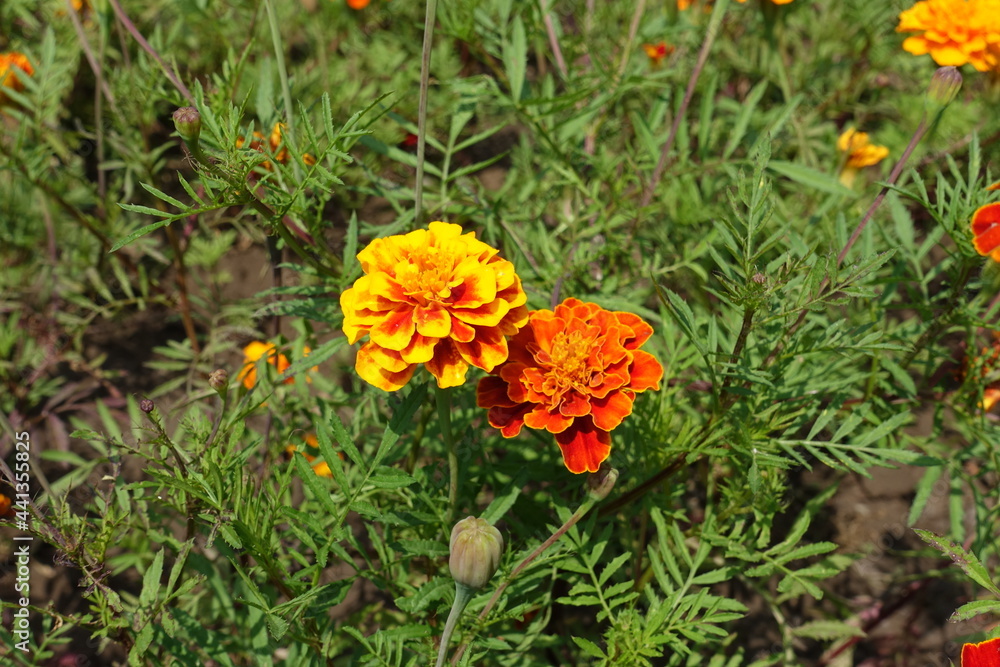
x,y
584,447
573,371
437,296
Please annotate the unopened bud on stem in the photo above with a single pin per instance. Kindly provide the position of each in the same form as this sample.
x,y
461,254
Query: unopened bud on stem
x,y
187,121
944,86
475,552
600,483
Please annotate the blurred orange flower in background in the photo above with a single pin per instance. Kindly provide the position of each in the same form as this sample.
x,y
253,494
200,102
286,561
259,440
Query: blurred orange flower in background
x,y
983,654
275,144
657,52
5,504
257,349
574,372
358,4
986,230
860,151
312,445
434,296
9,76
954,32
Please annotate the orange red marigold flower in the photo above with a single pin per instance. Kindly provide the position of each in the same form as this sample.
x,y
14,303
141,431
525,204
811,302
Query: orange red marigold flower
x,y
358,4
574,372
954,32
5,504
986,230
983,654
436,297
257,349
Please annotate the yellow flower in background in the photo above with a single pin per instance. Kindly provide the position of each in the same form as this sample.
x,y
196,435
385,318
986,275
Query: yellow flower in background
x,y
860,151
257,349
954,32
436,297
13,67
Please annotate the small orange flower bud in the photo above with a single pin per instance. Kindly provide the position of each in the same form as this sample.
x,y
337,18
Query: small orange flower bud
x,y
475,552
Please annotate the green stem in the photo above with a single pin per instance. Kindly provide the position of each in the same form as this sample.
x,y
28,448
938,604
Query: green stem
x,y
591,500
425,73
444,419
286,91
462,596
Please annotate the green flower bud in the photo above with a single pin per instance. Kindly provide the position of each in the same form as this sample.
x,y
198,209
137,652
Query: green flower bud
x,y
187,121
600,483
475,552
944,86
219,381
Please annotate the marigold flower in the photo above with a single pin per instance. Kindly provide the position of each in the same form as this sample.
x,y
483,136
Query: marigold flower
x,y
9,63
657,52
5,504
574,372
275,144
983,654
986,230
257,349
434,296
358,4
954,32
774,2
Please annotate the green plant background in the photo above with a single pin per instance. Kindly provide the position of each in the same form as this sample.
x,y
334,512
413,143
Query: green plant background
x,y
132,269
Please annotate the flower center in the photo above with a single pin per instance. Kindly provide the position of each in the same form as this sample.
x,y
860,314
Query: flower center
x,y
569,357
427,277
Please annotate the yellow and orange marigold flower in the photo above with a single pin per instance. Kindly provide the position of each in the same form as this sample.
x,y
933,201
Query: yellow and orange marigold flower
x,y
276,146
773,2
954,32
860,151
257,349
657,52
983,654
436,297
12,66
5,504
574,372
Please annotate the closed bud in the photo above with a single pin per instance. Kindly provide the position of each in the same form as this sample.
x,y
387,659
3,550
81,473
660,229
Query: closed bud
x,y
218,380
475,552
187,121
944,86
600,483
146,405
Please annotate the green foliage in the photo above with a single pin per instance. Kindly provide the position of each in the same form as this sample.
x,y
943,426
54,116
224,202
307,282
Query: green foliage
x,y
305,519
